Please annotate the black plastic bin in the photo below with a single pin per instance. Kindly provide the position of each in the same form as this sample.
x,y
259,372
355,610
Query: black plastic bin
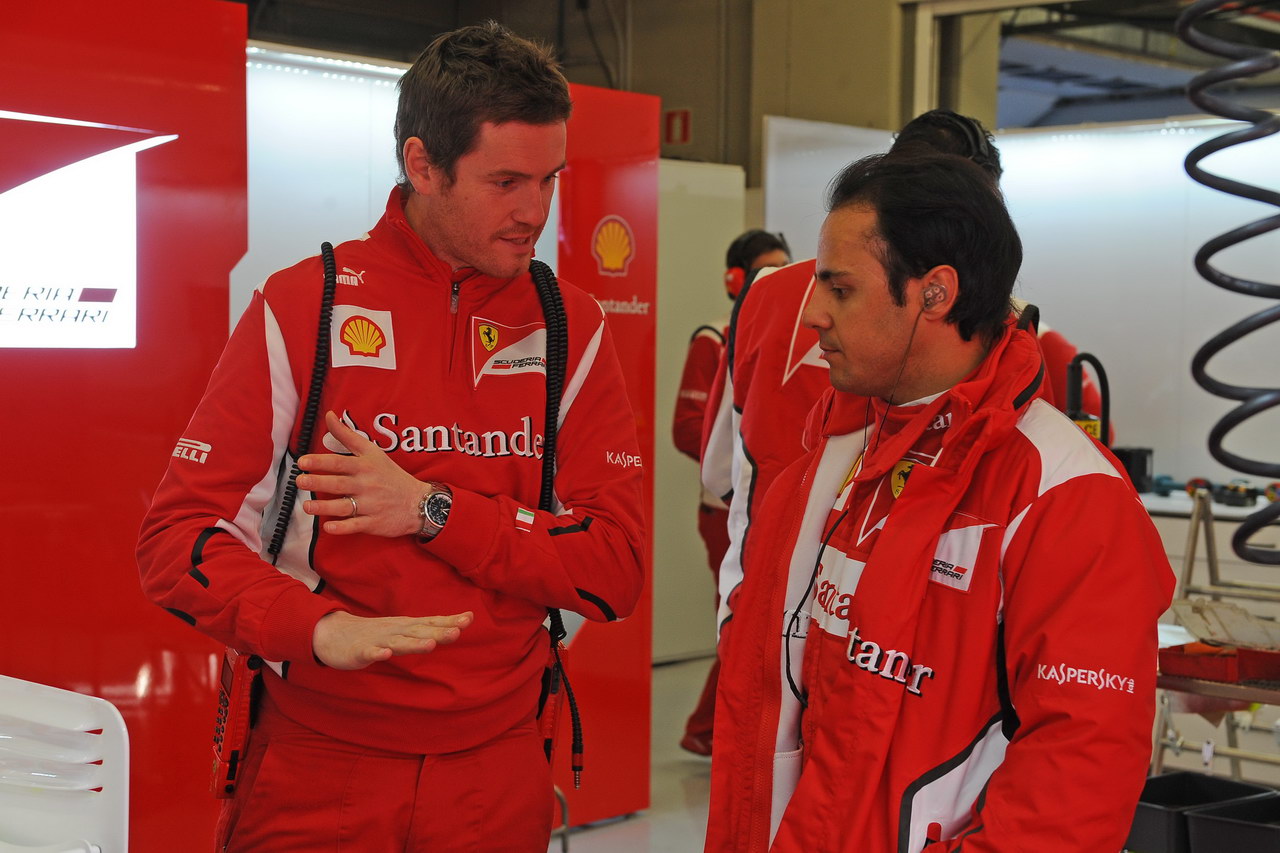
x,y
1160,823
1243,826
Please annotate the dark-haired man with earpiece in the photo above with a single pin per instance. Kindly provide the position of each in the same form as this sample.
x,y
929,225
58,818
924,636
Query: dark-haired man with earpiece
x,y
772,373
945,637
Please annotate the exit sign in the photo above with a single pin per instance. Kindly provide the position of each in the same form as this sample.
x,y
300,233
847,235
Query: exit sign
x,y
677,127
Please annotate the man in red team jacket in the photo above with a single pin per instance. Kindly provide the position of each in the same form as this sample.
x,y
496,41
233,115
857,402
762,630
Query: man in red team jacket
x,y
749,253
402,622
945,637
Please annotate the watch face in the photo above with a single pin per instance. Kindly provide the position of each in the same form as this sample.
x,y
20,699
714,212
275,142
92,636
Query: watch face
x,y
437,508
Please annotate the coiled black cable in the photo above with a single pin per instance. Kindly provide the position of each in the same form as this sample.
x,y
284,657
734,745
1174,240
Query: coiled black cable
x,y
544,281
557,354
312,411
1248,61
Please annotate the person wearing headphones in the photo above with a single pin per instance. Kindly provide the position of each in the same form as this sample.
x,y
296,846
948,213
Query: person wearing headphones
x,y
749,252
401,624
945,637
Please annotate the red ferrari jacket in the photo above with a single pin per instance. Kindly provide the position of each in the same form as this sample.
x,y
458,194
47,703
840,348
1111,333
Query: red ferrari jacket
x,y
970,651
706,352
706,348
770,379
445,371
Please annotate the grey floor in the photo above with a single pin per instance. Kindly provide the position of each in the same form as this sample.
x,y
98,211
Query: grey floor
x,y
676,820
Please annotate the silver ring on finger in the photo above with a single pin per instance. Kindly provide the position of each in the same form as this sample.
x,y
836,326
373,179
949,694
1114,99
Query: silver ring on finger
x,y
355,507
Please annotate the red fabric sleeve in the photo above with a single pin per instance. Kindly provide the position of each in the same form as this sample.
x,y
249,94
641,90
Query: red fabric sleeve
x,y
589,558
1086,580
699,374
206,515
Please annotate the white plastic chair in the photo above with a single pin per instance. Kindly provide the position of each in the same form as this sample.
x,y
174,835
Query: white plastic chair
x,y
62,789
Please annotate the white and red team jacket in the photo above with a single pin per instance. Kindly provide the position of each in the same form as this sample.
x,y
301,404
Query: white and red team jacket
x,y
760,400
970,601
445,371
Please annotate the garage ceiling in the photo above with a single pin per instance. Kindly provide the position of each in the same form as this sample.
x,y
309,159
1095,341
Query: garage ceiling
x,y
1053,54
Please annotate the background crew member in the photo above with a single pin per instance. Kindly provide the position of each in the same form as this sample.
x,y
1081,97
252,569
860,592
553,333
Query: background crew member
x,y
419,494
749,252
967,584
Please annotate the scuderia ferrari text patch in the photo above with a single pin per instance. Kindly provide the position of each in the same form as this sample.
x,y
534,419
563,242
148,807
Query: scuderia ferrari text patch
x,y
498,350
956,555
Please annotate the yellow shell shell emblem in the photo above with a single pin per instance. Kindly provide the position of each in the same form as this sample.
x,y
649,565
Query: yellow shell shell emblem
x,y
898,477
613,246
362,336
488,336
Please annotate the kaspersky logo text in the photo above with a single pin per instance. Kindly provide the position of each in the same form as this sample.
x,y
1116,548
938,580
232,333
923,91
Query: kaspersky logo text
x,y
1099,679
623,460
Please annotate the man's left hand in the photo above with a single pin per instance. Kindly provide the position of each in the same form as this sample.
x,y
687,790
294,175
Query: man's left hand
x,y
377,496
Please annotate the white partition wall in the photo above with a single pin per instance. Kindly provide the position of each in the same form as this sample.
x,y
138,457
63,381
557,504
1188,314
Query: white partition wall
x,y
321,157
800,159
700,211
1110,223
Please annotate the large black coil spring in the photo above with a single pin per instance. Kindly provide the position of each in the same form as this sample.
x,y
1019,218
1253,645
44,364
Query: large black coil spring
x,y
1247,61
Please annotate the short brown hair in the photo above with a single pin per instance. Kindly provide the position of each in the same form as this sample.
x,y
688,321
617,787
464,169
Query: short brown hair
x,y
469,76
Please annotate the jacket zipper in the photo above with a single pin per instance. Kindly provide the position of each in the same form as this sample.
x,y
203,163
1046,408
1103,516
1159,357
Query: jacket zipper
x,y
455,289
766,738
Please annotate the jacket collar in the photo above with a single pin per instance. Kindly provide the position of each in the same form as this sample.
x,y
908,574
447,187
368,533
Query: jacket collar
x,y
1000,389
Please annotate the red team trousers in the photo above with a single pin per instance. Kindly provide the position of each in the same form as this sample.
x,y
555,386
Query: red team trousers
x,y
301,790
713,525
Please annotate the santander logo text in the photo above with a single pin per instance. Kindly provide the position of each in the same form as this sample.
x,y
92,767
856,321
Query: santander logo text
x,y
390,434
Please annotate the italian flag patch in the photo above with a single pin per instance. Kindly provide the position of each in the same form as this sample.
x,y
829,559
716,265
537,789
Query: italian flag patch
x,y
524,519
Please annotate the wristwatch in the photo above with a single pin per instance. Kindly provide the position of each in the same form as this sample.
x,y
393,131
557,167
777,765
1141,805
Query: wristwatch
x,y
434,509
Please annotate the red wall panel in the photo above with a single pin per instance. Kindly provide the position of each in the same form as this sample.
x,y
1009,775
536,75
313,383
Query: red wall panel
x,y
89,431
609,247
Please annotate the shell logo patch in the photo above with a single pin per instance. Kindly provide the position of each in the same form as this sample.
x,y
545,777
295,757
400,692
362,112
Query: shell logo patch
x,y
500,350
613,246
899,475
362,338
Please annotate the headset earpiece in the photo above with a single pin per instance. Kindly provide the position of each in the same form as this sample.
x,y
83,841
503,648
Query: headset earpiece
x,y
934,294
734,278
